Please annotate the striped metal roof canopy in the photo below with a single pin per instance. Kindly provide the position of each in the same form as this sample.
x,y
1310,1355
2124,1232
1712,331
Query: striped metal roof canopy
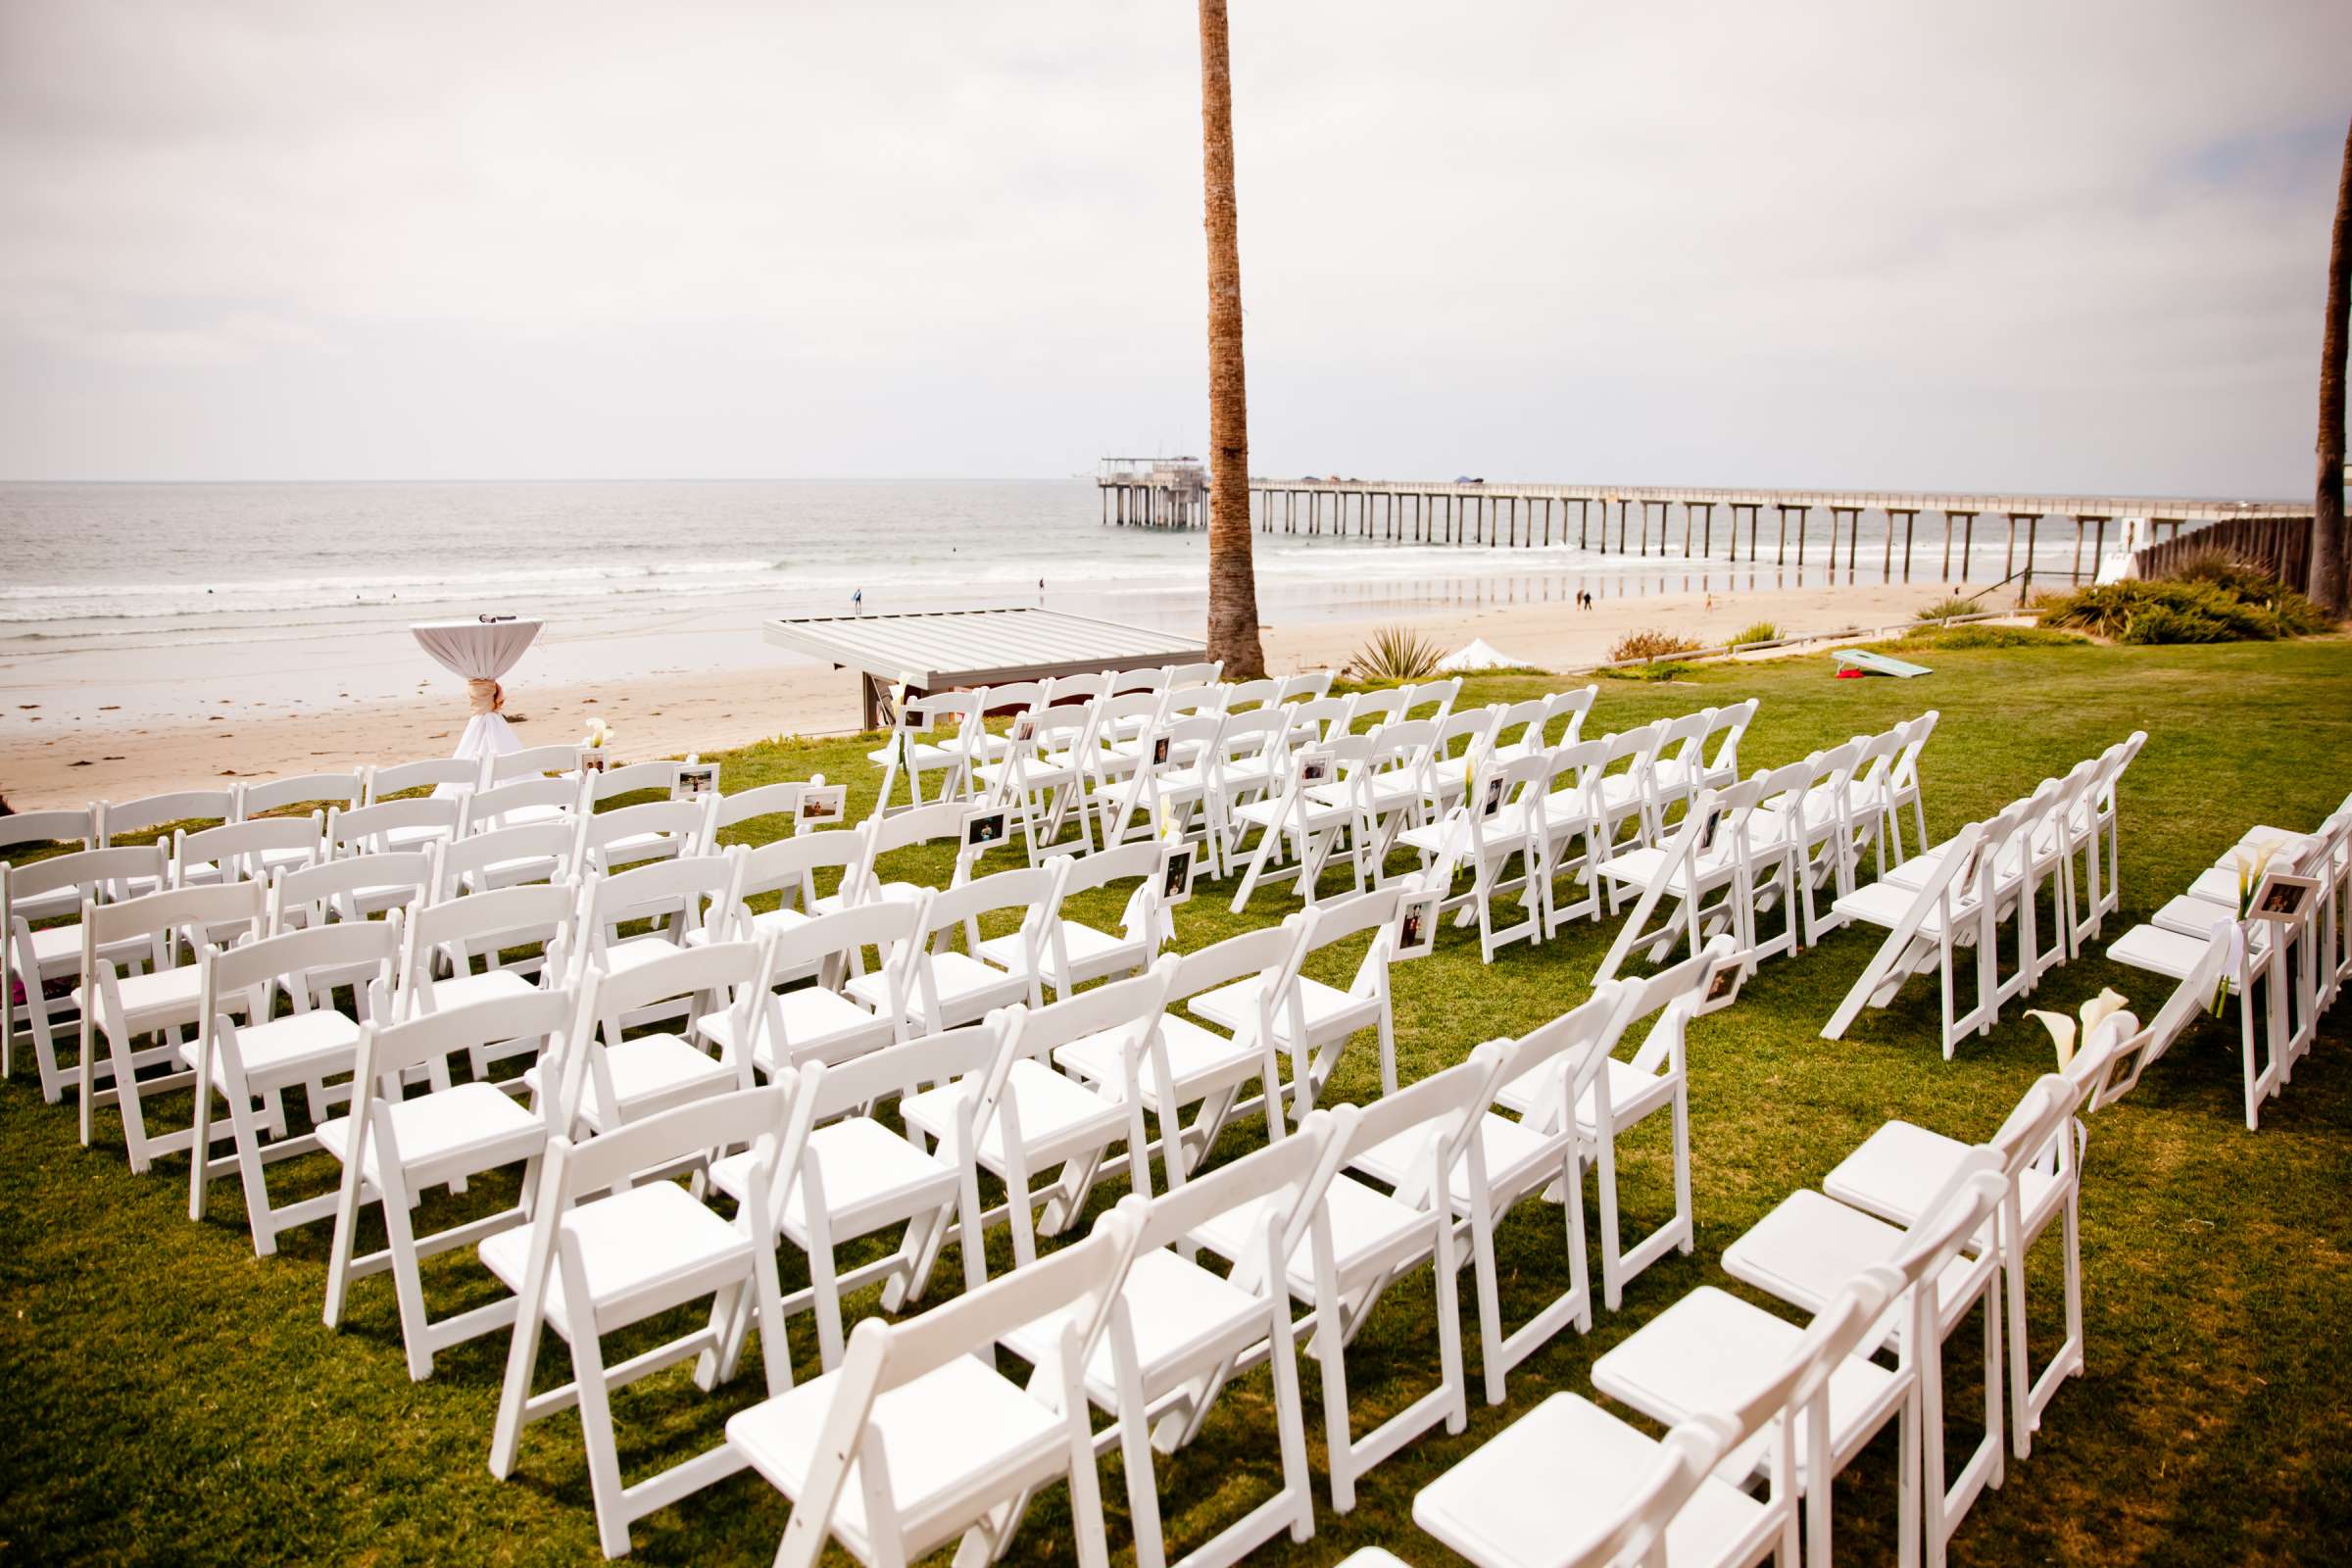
x,y
946,649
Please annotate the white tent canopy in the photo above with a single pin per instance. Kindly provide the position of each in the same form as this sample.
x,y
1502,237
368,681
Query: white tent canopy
x,y
1480,655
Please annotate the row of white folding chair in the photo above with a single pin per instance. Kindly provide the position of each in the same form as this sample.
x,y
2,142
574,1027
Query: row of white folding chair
x,y
2217,926
915,744
1572,1484
1957,896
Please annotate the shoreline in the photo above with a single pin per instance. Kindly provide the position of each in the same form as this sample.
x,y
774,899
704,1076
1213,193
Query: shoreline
x,y
126,728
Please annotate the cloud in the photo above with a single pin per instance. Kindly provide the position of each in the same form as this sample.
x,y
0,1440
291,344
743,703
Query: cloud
x,y
2070,247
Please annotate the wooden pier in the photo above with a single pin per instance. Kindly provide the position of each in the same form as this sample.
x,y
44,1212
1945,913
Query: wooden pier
x,y
1155,491
1761,527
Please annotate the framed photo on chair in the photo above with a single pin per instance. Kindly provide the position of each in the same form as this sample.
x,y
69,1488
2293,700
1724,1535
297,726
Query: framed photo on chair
x,y
2283,896
1159,751
1176,864
594,760
1416,927
1721,987
1492,802
823,802
1024,728
984,828
696,781
1314,767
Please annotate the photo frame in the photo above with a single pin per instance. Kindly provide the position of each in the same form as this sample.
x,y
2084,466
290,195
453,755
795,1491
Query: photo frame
x,y
1416,928
985,827
1721,987
595,759
1024,728
823,802
1493,801
1708,829
919,720
1176,862
2283,898
1315,767
1159,751
696,781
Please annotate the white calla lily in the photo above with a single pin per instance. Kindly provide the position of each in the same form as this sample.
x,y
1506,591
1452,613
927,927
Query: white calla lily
x,y
2062,1033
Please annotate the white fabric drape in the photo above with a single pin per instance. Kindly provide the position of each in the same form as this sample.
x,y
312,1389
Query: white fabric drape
x,y
482,652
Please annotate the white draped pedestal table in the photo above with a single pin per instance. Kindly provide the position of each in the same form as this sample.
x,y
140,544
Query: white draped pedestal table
x,y
481,651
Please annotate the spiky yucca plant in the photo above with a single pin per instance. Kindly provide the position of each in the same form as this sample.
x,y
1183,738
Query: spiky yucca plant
x,y
1393,656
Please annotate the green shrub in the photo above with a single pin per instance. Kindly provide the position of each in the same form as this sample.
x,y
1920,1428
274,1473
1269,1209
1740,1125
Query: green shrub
x,y
1667,669
1983,636
2226,601
1763,631
1650,643
1945,609
1395,655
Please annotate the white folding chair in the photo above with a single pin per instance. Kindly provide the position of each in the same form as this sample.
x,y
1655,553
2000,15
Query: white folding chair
x,y
345,789
1576,843
1361,1241
45,890
727,811
824,1020
945,987
177,808
917,1441
520,802
1618,1096
678,898
1570,1485
1954,907
245,852
941,823
453,775
600,786
1542,1154
588,1266
917,746
411,822
1205,1068
252,1063
1501,820
1705,867
1895,1172
1026,1119
392,1148
840,1176
636,835
1313,1021
505,857
610,1078
1069,952
1177,1332
161,999
352,889
442,942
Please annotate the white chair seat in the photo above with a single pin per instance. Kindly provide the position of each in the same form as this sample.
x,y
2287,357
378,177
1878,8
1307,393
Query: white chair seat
x,y
1091,951
321,1038
956,1429
1234,1006
1181,1314
1711,1349
160,996
1883,904
652,1072
1368,1227
1056,1114
1511,1150
1273,811
641,1250
617,958
48,905
1899,1169
920,755
964,984
815,1021
1530,1494
1200,1059
903,892
2192,917
1633,1094
56,944
638,847
2216,885
873,1178
463,990
1809,1246
469,1128
1638,867
2170,953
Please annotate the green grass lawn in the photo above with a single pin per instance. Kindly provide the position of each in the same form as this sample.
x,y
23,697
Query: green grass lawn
x,y
171,1398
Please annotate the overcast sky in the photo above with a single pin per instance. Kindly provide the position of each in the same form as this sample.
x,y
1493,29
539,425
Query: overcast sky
x,y
1995,244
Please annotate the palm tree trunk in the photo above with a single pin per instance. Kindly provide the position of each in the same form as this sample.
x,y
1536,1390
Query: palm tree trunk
x,y
2328,585
1232,580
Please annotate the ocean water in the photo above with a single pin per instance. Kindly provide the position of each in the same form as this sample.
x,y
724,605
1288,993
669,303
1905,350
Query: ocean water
x,y
99,565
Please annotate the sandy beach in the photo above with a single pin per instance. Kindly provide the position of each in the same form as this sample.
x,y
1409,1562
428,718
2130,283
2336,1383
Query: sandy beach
x,y
122,727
